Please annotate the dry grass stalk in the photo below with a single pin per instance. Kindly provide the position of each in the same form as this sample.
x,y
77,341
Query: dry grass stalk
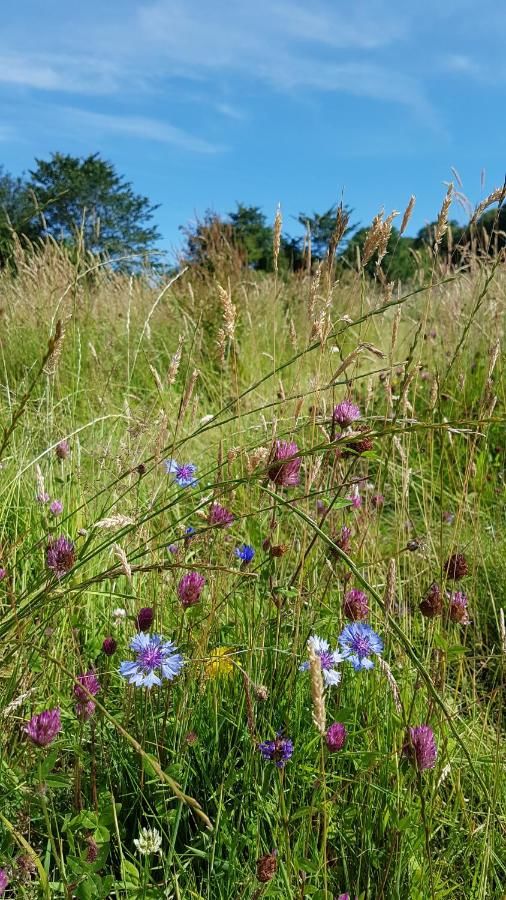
x,y
434,393
156,376
120,554
276,241
373,238
293,334
395,329
442,219
407,214
342,219
494,356
175,361
313,290
221,343
257,457
502,630
389,595
387,672
41,487
117,521
229,312
54,350
497,196
386,231
190,387
317,691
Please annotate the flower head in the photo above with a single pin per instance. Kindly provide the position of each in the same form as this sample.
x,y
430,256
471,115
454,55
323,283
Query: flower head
x,y
329,659
420,747
345,413
43,727
267,866
3,573
92,849
60,556
219,516
184,473
219,663
144,618
359,444
278,751
62,449
4,881
190,588
84,711
245,553
109,646
42,497
118,615
458,608
56,508
358,642
335,737
377,501
343,539
456,567
149,841
156,660
90,683
432,605
354,496
284,465
355,605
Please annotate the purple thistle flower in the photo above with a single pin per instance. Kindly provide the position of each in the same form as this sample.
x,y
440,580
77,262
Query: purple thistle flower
x,y
245,553
109,646
62,449
329,659
345,413
420,747
89,682
145,618
335,737
278,751
184,473
190,588
458,608
56,508
284,465
43,727
355,605
219,516
358,641
4,880
343,897
84,711
156,660
60,556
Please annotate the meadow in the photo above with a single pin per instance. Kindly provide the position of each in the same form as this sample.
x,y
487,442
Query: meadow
x,y
252,579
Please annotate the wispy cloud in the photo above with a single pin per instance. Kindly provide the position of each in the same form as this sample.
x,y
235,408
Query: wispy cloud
x,y
65,73
140,127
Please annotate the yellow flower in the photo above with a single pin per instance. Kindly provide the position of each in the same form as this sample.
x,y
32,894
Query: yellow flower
x,y
219,663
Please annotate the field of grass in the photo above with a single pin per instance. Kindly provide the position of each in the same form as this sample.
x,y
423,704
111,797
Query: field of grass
x,y
214,371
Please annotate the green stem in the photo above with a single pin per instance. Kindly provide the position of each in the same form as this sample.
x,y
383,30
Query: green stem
x,y
47,820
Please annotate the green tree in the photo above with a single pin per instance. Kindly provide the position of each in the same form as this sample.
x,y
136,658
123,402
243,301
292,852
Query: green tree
x,y
85,200
254,235
322,228
16,214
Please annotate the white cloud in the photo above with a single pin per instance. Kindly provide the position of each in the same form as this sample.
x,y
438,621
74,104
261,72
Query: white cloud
x,y
139,127
69,74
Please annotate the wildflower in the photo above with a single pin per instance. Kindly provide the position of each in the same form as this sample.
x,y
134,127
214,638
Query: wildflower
x,y
118,615
358,641
43,727
342,539
4,880
173,548
458,608
261,692
345,413
355,605
420,747
191,738
3,573
343,897
109,646
357,444
329,659
267,866
62,449
25,866
155,661
448,518
284,466
89,682
149,841
84,711
245,553
219,516
335,737
42,497
432,605
219,663
278,751
56,508
141,470
92,849
189,534
190,588
144,619
184,473
377,501
354,496
456,567
60,556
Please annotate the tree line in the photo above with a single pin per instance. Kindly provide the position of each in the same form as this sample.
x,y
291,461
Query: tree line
x,y
83,203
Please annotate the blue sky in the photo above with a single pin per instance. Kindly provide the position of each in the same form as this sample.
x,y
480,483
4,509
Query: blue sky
x,y
201,104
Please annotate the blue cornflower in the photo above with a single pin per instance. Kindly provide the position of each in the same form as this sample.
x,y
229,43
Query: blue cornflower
x,y
329,659
184,473
245,552
358,641
278,751
155,661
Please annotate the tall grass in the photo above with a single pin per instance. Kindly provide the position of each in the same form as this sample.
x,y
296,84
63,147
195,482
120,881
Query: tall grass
x,y
213,369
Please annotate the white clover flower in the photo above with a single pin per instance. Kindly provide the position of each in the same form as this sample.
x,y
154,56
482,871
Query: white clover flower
x,y
118,615
149,841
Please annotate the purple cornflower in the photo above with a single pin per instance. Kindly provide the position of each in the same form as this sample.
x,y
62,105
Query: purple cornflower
x,y
329,659
156,660
190,588
43,727
184,473
335,737
420,747
60,556
245,553
109,646
284,465
56,508
62,449
458,608
345,413
4,880
355,605
144,619
89,682
358,641
278,751
219,516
